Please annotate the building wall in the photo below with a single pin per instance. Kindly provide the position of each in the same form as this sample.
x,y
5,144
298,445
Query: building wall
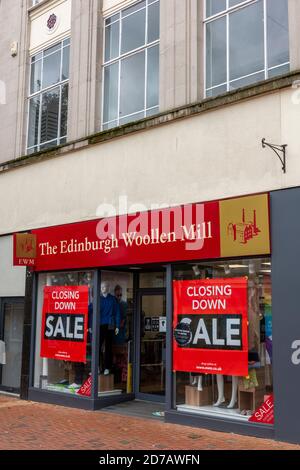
x,y
215,154
181,61
12,279
85,69
285,310
40,37
13,25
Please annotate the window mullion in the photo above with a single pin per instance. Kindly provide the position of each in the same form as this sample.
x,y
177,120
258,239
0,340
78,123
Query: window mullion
x,y
146,58
40,122
266,39
119,69
146,81
60,95
227,52
59,114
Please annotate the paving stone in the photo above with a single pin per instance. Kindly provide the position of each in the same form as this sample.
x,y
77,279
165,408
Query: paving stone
x,y
42,426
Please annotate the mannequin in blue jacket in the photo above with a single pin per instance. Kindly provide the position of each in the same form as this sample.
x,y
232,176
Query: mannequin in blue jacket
x,y
109,324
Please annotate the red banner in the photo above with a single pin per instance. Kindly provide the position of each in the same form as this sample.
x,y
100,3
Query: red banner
x,y
65,323
265,413
210,326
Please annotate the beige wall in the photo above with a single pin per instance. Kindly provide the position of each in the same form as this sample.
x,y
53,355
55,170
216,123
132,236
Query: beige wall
x,y
40,38
85,85
112,6
181,59
216,154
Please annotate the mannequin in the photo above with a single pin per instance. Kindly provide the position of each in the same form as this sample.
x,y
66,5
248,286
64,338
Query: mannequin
x,y
197,380
221,397
109,324
253,337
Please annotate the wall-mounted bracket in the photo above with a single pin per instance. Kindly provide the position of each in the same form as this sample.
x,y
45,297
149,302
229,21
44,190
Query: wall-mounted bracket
x,y
280,151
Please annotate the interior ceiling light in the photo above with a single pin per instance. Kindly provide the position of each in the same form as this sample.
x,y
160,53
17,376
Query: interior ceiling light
x,y
238,266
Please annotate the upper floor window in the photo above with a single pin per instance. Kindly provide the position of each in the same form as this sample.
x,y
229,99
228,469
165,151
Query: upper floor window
x,y
246,41
131,64
48,100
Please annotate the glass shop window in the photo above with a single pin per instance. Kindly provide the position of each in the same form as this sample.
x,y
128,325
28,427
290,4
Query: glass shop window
x,y
63,346
211,393
116,333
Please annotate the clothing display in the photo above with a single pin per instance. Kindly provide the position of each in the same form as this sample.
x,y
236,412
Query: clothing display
x,y
251,380
121,337
253,315
110,312
106,340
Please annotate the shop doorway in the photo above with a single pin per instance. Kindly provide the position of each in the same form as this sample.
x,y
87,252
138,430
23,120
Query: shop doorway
x,y
151,345
11,336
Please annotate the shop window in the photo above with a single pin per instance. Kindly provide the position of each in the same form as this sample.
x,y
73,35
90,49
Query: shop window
x,y
246,42
131,64
229,396
152,280
48,100
57,373
61,335
116,333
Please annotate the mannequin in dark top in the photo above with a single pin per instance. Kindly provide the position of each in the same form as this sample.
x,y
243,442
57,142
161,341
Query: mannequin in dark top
x,y
110,317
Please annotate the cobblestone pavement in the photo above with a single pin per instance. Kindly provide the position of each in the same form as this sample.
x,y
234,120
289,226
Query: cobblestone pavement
x,y
27,425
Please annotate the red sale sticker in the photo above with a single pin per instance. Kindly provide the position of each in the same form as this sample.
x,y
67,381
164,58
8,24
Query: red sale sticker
x,y
265,413
86,388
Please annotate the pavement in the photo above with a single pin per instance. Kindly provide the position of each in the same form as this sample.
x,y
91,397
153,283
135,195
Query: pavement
x,y
35,426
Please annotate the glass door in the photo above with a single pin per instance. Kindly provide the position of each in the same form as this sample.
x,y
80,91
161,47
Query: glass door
x,y
11,337
151,354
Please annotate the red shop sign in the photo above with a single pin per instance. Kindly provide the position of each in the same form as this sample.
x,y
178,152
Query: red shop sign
x,y
185,232
210,326
65,323
229,228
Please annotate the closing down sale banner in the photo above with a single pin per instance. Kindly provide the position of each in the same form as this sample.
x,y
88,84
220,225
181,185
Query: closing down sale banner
x,y
210,326
65,323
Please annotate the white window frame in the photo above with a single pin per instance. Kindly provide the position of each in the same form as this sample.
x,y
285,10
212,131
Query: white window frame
x,y
226,13
60,84
121,57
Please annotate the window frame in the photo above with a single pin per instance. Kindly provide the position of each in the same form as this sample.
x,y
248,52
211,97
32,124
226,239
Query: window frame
x,y
226,13
59,140
121,57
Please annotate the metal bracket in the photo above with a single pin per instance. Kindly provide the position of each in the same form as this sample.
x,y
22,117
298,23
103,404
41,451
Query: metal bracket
x,y
277,149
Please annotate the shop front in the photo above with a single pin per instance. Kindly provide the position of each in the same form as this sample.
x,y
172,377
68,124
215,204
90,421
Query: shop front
x,y
172,306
